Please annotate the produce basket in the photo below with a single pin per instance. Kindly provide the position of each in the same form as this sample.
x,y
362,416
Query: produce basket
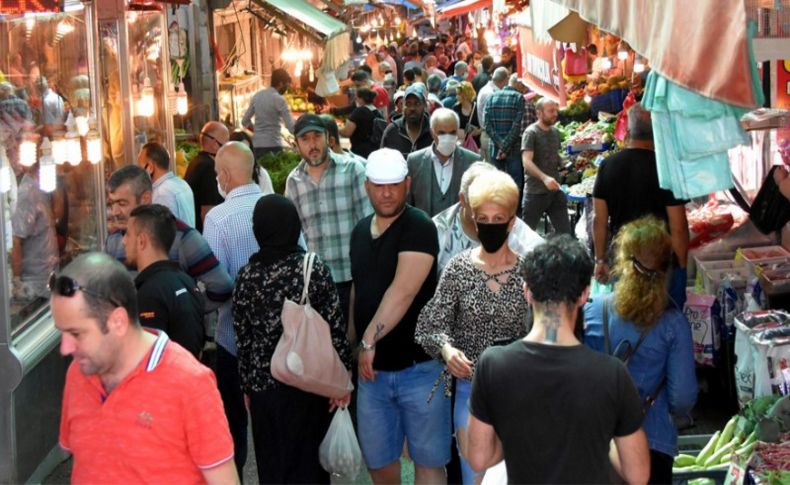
x,y
692,445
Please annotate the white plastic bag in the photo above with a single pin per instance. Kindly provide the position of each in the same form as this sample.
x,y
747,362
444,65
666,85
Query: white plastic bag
x,y
339,453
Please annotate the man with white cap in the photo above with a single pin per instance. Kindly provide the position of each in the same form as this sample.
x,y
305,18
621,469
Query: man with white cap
x,y
393,265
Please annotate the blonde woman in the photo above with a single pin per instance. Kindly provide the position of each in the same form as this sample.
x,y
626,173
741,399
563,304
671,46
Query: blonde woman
x,y
652,337
480,298
467,109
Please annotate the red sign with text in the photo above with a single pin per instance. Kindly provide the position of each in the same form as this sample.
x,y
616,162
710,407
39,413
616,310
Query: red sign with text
x,y
783,97
539,65
15,7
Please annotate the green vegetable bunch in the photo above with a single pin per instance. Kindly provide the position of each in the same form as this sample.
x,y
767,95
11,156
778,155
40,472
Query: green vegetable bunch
x,y
279,165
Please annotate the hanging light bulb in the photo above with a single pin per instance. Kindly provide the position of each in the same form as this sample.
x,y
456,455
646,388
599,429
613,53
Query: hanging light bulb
x,y
82,124
606,63
307,54
30,23
73,147
398,20
639,65
311,74
27,151
587,98
145,106
5,171
93,146
47,172
359,39
59,150
182,103
64,27
622,53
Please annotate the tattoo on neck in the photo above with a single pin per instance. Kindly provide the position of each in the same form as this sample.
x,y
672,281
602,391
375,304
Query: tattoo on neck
x,y
551,322
379,329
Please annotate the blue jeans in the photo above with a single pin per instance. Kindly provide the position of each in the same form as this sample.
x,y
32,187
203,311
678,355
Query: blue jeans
x,y
463,389
513,167
395,406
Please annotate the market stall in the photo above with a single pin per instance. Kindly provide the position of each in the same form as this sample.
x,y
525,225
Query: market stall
x,y
270,34
51,171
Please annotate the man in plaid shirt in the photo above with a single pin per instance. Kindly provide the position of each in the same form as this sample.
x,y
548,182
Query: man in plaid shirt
x,y
504,111
328,191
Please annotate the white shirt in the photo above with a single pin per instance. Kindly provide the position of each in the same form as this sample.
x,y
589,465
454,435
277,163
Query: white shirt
x,y
482,97
175,194
444,172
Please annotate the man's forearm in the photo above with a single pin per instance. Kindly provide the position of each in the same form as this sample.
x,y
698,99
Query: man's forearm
x,y
390,312
680,245
600,233
531,168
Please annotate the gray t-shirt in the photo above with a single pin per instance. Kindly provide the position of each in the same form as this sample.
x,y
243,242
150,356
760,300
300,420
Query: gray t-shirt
x,y
545,146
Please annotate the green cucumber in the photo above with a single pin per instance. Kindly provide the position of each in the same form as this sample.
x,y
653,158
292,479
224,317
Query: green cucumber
x,y
725,450
726,434
685,460
708,449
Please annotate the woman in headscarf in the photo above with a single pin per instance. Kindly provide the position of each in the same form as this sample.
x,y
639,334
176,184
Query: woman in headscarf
x,y
648,334
288,424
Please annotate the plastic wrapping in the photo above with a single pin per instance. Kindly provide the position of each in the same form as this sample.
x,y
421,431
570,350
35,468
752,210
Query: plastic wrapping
x,y
339,452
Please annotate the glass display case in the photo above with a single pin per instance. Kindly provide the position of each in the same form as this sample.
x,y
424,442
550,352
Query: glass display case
x,y
51,209
235,95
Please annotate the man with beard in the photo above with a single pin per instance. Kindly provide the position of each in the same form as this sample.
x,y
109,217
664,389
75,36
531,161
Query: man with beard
x,y
268,106
163,403
412,132
328,191
393,263
540,147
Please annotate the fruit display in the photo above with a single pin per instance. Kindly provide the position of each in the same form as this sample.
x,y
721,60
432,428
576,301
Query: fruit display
x,y
297,101
583,144
604,85
185,152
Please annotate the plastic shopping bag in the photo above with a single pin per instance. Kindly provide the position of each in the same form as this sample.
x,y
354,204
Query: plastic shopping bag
x,y
339,453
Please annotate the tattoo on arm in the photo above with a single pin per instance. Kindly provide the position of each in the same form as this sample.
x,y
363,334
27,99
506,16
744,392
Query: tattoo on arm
x,y
379,329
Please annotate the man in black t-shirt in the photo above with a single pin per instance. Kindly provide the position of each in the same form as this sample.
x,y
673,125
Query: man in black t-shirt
x,y
200,174
167,298
626,189
393,265
548,405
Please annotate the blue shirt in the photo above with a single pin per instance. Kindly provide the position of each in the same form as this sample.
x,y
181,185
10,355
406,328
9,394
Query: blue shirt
x,y
667,350
228,230
175,194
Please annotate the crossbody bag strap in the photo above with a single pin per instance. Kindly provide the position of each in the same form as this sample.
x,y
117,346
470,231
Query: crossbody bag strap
x,y
606,345
307,271
471,114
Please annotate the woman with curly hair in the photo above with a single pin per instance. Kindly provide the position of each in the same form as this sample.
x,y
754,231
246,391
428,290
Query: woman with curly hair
x,y
637,324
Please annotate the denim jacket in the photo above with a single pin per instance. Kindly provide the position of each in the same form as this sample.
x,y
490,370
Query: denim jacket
x,y
667,350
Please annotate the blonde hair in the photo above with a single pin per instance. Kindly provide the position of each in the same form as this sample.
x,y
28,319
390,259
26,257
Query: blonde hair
x,y
496,187
642,298
466,92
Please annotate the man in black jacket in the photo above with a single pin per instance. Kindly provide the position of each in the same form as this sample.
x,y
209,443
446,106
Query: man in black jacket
x,y
168,299
412,132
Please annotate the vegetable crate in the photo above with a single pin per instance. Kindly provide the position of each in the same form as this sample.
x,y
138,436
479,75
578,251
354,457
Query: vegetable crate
x,y
692,445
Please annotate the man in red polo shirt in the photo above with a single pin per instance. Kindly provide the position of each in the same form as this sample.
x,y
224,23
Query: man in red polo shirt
x,y
137,407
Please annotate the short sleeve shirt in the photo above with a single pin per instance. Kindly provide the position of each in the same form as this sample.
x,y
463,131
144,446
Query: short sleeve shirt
x,y
536,396
545,148
373,266
628,182
163,423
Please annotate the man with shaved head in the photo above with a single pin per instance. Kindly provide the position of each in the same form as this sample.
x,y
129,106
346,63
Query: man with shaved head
x,y
200,173
228,230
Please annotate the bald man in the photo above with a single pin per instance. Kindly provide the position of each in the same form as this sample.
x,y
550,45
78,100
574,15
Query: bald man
x,y
228,230
200,173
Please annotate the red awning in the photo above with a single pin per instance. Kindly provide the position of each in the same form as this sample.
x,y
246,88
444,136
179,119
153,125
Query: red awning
x,y
701,45
462,7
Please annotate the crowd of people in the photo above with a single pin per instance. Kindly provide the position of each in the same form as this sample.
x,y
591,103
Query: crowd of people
x,y
456,317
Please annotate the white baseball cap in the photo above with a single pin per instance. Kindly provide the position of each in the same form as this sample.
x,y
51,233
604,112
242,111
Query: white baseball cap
x,y
386,166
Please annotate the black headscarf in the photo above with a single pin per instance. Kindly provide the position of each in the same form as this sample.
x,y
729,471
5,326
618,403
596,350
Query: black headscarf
x,y
277,228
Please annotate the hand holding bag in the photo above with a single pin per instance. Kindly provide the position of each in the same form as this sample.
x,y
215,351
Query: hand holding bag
x,y
339,453
469,141
305,357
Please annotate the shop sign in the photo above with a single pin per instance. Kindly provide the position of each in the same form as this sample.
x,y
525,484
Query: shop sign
x,y
17,7
539,63
783,97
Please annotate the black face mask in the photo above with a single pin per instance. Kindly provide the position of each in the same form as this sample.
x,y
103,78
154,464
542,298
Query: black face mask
x,y
492,236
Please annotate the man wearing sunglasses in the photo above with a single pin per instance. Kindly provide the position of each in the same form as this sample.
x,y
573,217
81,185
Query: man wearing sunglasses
x,y
200,173
130,187
130,388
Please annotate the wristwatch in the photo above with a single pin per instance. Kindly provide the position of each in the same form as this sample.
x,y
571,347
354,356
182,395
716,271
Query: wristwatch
x,y
600,261
366,346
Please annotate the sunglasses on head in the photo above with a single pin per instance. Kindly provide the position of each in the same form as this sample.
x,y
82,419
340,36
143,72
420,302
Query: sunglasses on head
x,y
67,286
650,273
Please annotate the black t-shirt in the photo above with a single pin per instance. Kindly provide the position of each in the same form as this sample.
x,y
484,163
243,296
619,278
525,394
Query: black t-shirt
x,y
373,266
555,409
628,182
361,143
168,299
202,180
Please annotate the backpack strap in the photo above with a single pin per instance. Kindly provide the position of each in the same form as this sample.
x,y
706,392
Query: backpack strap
x,y
307,271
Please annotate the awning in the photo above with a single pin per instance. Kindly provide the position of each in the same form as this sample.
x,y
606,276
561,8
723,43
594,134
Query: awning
x,y
306,18
701,45
464,6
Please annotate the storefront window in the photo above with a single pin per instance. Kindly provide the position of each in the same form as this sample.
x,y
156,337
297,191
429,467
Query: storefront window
x,y
49,214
